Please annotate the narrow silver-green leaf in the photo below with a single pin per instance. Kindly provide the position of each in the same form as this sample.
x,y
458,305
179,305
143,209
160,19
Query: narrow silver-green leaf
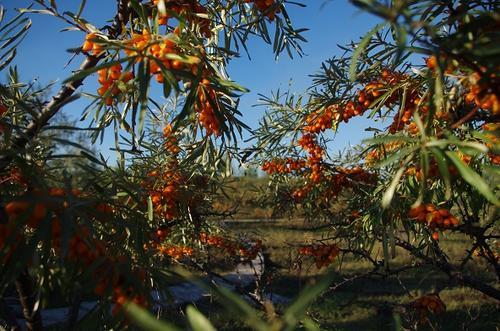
x,y
473,178
297,309
150,209
360,49
147,321
198,321
389,194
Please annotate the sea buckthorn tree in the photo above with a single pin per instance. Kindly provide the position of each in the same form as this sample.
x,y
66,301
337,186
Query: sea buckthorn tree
x,y
426,82
113,233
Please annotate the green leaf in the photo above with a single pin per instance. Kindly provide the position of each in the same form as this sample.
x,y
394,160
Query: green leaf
x,y
36,11
239,306
473,178
400,153
150,209
389,138
80,10
84,73
145,320
360,49
310,325
297,309
389,194
198,321
140,10
230,300
8,59
443,169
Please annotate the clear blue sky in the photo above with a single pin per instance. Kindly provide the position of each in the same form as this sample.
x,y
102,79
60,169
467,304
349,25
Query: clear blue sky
x,y
43,55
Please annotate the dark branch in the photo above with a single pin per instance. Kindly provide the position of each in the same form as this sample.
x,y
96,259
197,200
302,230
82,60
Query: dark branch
x,y
27,297
66,93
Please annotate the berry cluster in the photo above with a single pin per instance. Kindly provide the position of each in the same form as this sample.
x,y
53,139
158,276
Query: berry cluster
x,y
321,120
433,168
158,52
158,244
171,143
346,178
3,109
192,10
432,171
301,192
492,134
116,279
433,217
323,254
315,155
245,250
29,212
164,194
139,43
314,171
413,129
358,174
161,52
91,44
161,233
250,251
432,63
371,92
110,79
428,303
122,295
144,45
83,248
401,119
376,154
207,97
280,166
483,95
265,7
175,252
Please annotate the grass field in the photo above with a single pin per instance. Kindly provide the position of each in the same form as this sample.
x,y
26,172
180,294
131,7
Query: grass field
x,y
368,304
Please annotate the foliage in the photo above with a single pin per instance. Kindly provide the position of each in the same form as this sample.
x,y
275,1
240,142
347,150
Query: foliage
x,y
430,72
117,234
113,233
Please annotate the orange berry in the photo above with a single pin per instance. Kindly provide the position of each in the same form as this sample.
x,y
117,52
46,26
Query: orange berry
x,y
102,90
177,65
431,62
87,46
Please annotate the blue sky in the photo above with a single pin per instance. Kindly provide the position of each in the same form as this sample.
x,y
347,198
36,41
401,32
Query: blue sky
x,y
43,55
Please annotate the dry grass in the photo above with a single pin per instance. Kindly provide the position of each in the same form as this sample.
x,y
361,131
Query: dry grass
x,y
362,305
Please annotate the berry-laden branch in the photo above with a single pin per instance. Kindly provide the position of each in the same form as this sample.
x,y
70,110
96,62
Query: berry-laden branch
x,y
24,283
66,93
